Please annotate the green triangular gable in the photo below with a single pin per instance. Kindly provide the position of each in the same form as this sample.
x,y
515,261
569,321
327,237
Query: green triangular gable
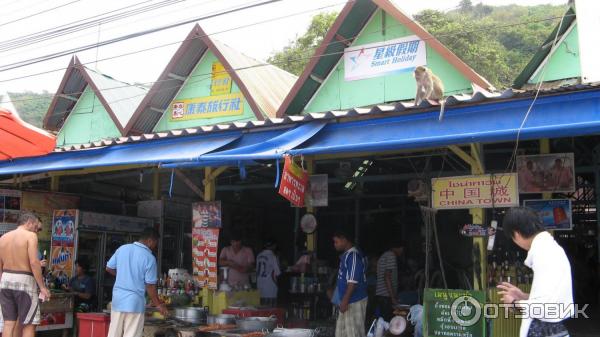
x,y
88,121
198,85
337,93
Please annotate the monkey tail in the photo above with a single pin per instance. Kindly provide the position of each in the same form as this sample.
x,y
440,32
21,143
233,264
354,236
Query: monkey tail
x,y
442,107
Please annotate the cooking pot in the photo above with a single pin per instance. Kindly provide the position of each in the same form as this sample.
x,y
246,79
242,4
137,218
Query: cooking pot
x,y
256,323
191,315
223,319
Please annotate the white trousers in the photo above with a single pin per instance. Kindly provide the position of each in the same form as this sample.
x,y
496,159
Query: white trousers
x,y
126,324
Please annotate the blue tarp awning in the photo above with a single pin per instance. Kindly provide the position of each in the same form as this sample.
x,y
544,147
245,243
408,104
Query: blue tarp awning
x,y
151,152
564,115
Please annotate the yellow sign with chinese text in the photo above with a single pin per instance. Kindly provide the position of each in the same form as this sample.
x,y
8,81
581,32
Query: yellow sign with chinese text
x,y
481,191
220,80
207,107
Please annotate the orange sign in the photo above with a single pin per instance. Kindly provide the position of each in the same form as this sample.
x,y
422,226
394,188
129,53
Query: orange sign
x,y
293,182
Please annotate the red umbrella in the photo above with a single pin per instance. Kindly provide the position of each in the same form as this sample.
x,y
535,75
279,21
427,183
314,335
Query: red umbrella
x,y
20,139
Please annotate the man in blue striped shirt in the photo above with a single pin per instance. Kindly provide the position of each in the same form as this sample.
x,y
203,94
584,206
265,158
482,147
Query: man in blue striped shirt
x,y
351,287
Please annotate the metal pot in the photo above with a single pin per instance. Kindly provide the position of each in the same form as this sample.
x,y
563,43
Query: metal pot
x,y
256,323
223,319
191,315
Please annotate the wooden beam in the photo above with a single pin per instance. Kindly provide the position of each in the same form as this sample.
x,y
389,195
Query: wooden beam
x,y
347,42
472,160
70,98
311,239
55,183
217,172
46,175
209,185
189,183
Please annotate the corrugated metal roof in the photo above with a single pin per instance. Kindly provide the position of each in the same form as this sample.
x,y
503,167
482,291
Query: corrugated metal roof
x,y
375,111
264,86
120,99
123,98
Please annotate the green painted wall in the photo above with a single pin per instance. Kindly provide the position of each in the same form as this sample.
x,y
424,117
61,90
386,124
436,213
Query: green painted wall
x,y
564,62
88,121
198,85
336,93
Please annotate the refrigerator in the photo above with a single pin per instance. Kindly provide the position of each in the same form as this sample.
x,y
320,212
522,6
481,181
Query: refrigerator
x,y
94,237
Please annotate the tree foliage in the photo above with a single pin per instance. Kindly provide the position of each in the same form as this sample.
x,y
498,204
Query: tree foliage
x,y
31,106
297,53
495,41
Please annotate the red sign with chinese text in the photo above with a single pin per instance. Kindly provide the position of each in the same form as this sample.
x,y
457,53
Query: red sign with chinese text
x,y
293,183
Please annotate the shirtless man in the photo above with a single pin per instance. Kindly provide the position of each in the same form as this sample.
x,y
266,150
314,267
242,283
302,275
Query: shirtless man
x,y
21,277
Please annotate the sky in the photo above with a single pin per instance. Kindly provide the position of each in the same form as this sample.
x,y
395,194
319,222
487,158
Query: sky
x,y
256,32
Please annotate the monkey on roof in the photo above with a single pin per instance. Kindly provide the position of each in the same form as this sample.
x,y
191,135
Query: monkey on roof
x,y
429,86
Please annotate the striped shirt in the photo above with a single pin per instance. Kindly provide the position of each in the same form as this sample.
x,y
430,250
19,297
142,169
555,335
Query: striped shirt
x,y
387,262
353,266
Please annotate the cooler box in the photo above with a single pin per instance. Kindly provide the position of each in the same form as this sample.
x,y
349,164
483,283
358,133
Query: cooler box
x,y
93,324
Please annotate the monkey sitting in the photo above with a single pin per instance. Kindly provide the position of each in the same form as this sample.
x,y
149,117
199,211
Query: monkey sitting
x,y
429,86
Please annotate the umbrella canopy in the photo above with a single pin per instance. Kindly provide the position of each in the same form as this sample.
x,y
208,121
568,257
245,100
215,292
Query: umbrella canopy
x,y
20,139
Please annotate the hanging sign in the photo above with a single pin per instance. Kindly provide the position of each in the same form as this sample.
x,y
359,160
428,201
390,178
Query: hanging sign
x,y
206,214
471,230
556,214
220,80
480,191
205,243
293,182
453,313
207,107
384,58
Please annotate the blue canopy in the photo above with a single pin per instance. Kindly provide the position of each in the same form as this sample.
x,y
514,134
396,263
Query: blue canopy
x,y
151,152
565,115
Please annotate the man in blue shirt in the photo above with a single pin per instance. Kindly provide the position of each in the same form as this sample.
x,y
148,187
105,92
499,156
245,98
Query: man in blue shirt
x,y
136,273
351,288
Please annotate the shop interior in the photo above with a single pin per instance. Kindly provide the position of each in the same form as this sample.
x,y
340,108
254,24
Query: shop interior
x,y
368,196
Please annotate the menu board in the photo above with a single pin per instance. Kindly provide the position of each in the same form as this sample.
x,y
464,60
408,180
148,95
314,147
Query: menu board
x,y
205,243
455,313
10,209
62,251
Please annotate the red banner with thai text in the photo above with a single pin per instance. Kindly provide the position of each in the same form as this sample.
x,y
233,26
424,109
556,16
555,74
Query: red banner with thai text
x,y
293,182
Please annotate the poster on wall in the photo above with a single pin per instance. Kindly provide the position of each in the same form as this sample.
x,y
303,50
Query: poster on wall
x,y
220,80
207,107
205,243
10,209
62,251
546,173
206,214
478,191
384,58
43,205
556,214
318,191
293,182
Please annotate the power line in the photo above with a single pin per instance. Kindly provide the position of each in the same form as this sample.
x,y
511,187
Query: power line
x,y
275,63
127,37
67,29
38,13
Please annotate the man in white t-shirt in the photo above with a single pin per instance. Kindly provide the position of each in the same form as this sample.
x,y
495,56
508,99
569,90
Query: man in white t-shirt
x,y
267,271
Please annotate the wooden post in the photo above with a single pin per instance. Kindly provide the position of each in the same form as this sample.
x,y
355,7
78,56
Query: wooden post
x,y
156,184
55,183
477,214
311,239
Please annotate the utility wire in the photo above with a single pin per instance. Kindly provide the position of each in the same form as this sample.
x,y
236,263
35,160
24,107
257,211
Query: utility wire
x,y
48,57
50,34
38,13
